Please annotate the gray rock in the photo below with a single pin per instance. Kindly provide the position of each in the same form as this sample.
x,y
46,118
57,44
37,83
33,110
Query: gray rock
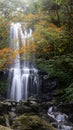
x,y
12,115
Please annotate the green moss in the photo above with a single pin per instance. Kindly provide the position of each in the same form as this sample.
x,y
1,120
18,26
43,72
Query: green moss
x,y
31,122
69,93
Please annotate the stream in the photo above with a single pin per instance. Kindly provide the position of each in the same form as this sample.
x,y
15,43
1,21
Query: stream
x,y
59,119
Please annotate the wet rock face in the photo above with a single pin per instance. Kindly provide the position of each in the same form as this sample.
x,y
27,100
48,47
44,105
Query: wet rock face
x,y
3,85
48,85
71,118
66,108
1,75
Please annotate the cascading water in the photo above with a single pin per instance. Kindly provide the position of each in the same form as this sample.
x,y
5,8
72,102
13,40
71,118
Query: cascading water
x,y
23,76
59,119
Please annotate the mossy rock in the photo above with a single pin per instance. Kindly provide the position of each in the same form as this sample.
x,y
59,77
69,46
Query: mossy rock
x,y
23,109
4,128
2,120
31,122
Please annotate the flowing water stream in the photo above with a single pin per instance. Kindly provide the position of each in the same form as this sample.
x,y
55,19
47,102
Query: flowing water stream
x,y
59,119
23,75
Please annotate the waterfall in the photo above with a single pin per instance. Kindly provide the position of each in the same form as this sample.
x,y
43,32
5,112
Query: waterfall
x,y
23,75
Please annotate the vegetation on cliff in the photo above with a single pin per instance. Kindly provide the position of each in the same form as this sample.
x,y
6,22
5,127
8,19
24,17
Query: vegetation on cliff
x,y
51,22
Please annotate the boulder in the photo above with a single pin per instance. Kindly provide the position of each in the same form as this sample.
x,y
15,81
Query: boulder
x,y
35,107
12,115
4,128
6,119
23,109
32,99
4,107
31,106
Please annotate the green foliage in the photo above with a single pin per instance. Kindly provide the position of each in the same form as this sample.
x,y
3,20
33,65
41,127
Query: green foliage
x,y
51,21
3,87
60,67
58,1
69,93
4,33
51,40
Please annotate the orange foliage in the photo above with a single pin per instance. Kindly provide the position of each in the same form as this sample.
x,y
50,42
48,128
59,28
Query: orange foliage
x,y
5,58
44,50
27,49
7,55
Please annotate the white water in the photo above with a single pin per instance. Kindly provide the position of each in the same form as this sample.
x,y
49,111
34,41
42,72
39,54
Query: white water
x,y
60,119
23,76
